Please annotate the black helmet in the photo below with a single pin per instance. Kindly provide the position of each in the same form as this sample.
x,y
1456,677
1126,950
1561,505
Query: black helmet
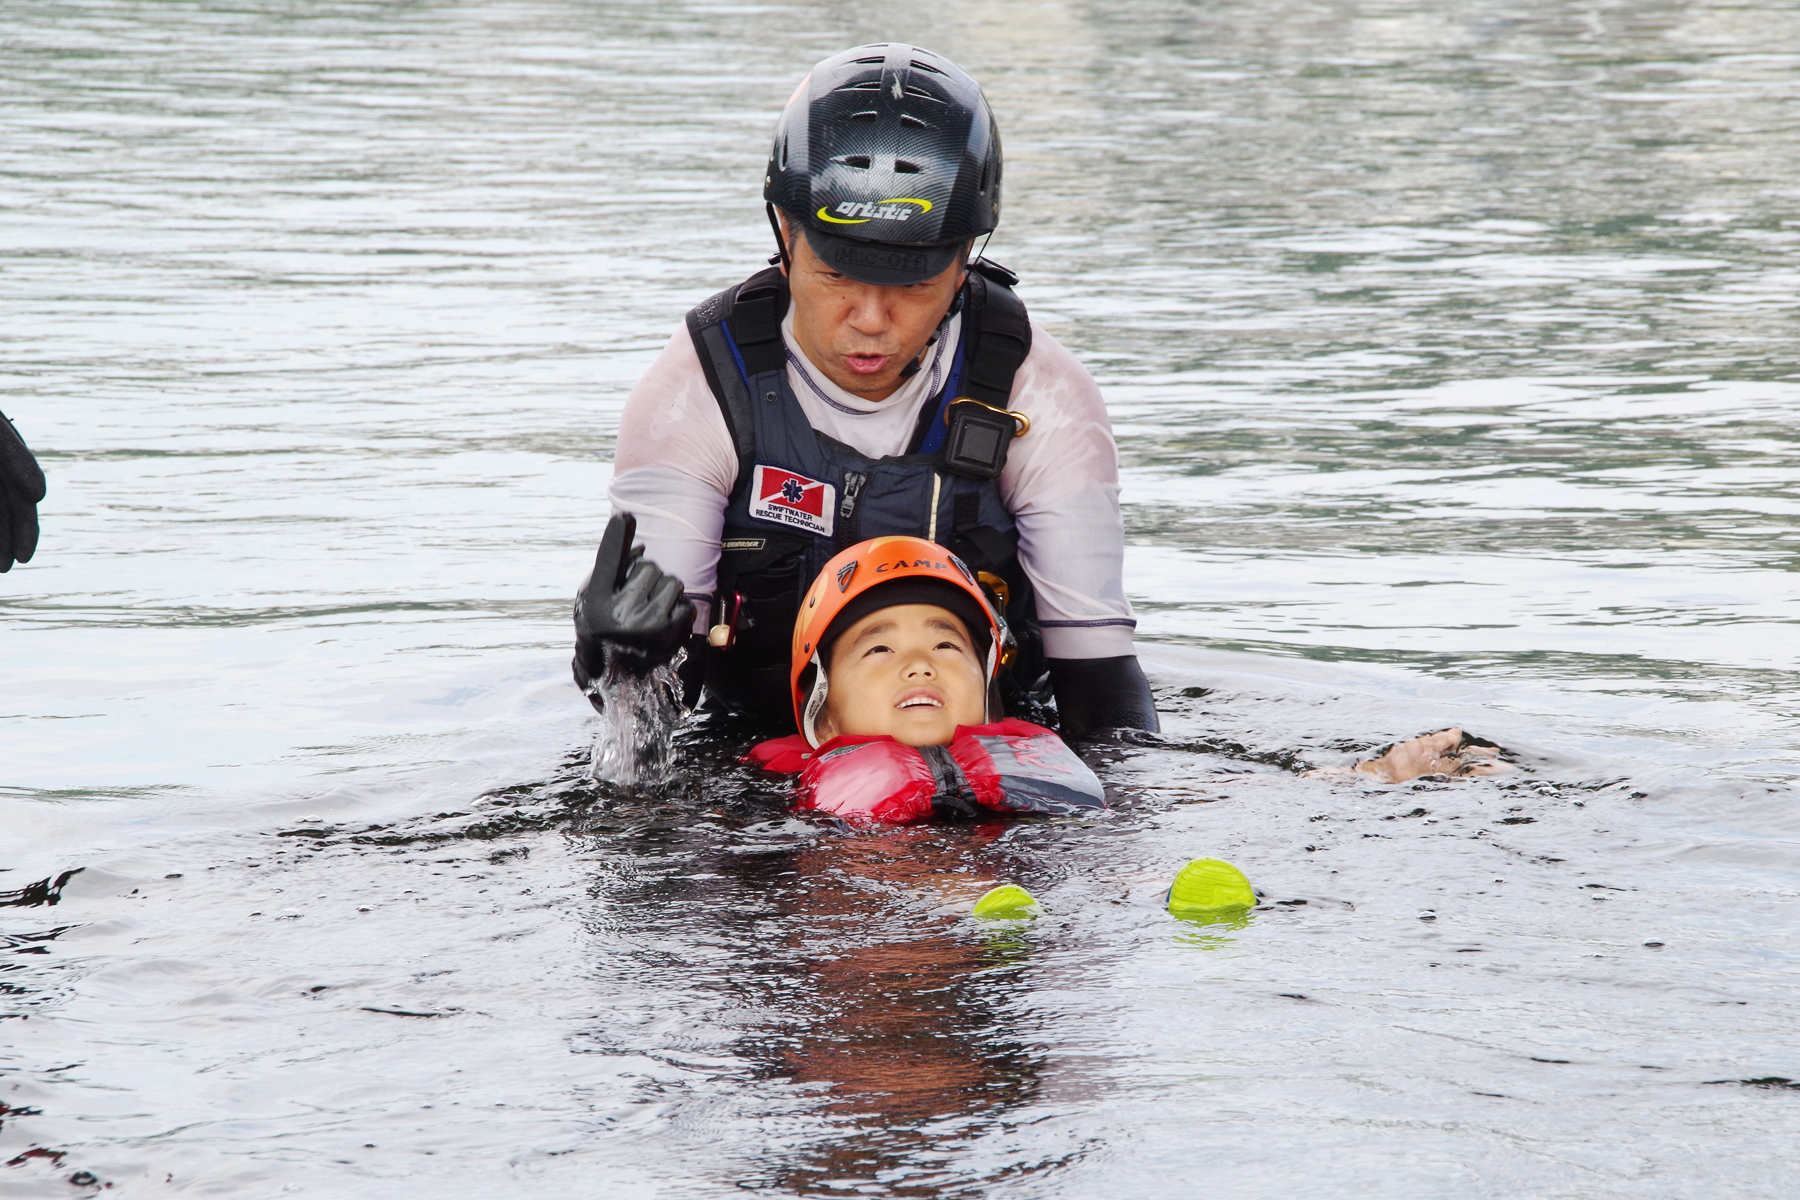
x,y
888,157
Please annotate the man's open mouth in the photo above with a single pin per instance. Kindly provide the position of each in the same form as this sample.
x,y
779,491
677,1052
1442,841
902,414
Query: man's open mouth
x,y
867,364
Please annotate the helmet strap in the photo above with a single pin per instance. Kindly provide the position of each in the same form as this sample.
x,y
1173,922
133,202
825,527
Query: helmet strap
x,y
781,251
815,702
993,711
980,251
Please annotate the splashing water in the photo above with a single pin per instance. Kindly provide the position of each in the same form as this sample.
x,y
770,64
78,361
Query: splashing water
x,y
635,744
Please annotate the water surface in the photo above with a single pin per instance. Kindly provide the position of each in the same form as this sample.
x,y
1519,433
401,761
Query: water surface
x,y
1450,353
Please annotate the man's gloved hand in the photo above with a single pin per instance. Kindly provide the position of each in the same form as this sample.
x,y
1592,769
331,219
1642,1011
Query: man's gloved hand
x,y
629,614
1095,694
21,487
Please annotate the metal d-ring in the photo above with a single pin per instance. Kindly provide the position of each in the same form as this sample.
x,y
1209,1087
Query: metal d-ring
x,y
1020,419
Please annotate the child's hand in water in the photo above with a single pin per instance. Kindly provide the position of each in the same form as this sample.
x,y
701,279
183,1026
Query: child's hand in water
x,y
1447,752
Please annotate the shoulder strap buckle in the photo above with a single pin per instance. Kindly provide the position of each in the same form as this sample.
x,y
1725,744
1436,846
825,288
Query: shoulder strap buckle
x,y
979,437
992,270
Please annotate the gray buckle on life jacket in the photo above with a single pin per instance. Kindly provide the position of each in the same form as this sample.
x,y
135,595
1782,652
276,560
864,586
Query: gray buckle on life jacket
x,y
980,435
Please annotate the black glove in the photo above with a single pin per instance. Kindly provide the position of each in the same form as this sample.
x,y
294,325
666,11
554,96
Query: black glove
x,y
21,487
1101,693
629,614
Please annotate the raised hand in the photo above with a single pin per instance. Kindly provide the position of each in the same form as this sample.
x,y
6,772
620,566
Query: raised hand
x,y
629,614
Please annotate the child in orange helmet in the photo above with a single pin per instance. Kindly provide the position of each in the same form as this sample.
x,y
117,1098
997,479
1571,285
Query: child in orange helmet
x,y
895,656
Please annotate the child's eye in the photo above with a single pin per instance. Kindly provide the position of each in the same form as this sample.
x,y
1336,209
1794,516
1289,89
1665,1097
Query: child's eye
x,y
877,650
949,646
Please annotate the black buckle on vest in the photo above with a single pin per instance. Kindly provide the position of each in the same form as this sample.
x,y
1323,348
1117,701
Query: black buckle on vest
x,y
979,437
989,269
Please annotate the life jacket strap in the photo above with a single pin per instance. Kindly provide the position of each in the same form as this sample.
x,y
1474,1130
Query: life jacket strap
x,y
1002,335
996,338
737,336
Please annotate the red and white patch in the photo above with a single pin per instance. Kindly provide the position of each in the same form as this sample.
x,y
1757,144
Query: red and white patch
x,y
793,500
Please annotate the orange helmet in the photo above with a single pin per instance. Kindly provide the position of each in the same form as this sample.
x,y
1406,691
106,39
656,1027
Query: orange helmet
x,y
852,574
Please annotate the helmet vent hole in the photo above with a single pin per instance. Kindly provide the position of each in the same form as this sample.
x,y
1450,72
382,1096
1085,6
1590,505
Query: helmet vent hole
x,y
868,115
919,93
920,66
784,156
985,169
907,168
867,85
859,161
908,120
876,61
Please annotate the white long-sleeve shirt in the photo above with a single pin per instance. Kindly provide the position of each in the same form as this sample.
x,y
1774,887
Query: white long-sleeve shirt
x,y
675,467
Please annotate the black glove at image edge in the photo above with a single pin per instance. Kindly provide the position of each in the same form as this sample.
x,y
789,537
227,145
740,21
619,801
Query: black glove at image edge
x,y
21,489
1101,693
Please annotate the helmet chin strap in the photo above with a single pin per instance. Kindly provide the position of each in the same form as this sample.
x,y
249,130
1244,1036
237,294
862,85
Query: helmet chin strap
x,y
816,701
781,258
991,710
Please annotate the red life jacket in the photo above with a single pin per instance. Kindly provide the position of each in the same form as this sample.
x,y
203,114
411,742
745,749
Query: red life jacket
x,y
1011,766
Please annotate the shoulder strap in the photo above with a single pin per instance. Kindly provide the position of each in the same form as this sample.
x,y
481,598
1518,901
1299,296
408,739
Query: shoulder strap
x,y
737,334
996,337
755,321
1001,337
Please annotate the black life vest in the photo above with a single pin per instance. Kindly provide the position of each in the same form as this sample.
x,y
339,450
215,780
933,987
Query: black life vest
x,y
801,496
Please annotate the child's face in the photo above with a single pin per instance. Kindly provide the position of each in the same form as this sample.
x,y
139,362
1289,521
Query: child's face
x,y
909,672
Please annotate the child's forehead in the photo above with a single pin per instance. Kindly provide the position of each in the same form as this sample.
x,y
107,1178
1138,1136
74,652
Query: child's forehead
x,y
896,614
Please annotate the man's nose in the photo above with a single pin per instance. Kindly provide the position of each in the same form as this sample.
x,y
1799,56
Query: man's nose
x,y
869,311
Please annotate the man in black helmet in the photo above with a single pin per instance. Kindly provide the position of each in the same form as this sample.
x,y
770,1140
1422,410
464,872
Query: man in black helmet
x,y
873,381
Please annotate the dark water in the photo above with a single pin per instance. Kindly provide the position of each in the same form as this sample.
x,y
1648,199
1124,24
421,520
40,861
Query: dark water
x,y
1450,351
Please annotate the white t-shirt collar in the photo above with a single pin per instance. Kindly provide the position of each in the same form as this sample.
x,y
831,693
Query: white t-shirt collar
x,y
803,373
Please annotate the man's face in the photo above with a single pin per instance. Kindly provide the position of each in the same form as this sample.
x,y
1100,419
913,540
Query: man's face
x,y
909,672
862,335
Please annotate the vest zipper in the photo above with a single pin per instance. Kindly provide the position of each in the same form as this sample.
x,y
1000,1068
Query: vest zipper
x,y
847,523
